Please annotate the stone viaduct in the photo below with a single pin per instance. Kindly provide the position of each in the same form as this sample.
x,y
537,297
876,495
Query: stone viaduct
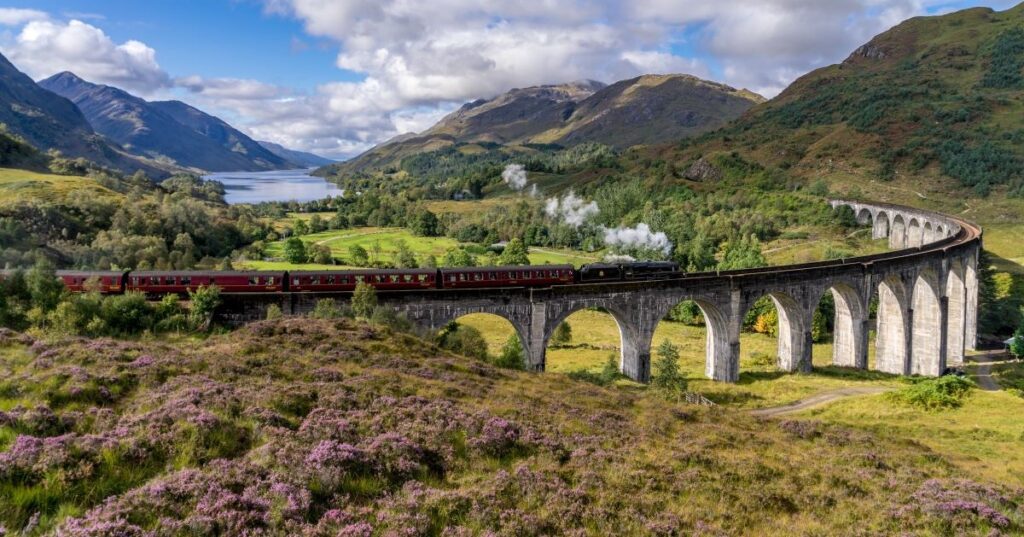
x,y
926,289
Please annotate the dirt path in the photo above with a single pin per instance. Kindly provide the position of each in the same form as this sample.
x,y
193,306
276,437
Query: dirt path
x,y
820,399
983,375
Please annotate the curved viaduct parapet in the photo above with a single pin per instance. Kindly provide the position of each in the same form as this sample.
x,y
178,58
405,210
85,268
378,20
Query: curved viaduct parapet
x,y
927,290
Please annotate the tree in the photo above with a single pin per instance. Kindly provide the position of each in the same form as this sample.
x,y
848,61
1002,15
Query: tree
x,y
295,251
44,288
364,300
743,253
300,228
512,353
562,336
425,224
666,368
458,257
464,340
203,302
321,254
515,253
357,256
325,308
274,312
317,224
404,257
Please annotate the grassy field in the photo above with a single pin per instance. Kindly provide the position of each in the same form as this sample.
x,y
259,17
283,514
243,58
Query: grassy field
x,y
19,186
985,435
383,243
596,337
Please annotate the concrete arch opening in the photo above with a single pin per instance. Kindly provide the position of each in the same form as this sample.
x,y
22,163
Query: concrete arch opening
x,y
929,233
915,233
956,293
865,218
486,336
898,233
927,333
891,327
585,340
840,318
777,315
880,229
698,331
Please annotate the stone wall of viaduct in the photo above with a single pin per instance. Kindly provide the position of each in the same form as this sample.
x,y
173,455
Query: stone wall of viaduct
x,y
927,293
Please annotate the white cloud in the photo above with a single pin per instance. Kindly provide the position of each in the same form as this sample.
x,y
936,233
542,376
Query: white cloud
x,y
45,47
10,16
416,61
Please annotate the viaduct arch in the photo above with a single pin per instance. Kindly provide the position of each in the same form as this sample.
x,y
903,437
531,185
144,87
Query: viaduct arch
x,y
927,314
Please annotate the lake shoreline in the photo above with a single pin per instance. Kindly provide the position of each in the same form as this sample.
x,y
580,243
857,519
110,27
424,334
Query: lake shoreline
x,y
243,187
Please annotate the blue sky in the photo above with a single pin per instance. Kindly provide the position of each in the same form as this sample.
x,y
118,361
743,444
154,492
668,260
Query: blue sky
x,y
338,76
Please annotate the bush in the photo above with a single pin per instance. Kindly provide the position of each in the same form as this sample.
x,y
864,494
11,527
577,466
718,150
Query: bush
x,y
327,308
934,393
274,312
390,318
364,300
512,354
666,369
295,251
608,375
203,302
465,340
127,314
562,336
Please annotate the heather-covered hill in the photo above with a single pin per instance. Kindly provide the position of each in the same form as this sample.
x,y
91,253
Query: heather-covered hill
x,y
304,427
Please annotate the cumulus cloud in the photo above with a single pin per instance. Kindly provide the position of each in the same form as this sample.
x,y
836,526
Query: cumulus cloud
x,y
570,209
639,237
408,63
45,47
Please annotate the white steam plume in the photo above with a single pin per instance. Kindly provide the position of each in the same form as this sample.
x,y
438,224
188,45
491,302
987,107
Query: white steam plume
x,y
571,209
639,237
515,176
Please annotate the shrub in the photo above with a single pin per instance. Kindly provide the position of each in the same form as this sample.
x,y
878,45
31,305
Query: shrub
x,y
512,354
666,369
203,302
934,393
465,340
127,314
295,251
274,312
364,300
562,336
390,318
326,308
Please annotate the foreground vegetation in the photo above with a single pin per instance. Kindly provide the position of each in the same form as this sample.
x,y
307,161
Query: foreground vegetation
x,y
320,427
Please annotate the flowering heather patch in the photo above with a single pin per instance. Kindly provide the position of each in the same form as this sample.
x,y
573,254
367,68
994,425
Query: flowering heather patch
x,y
325,428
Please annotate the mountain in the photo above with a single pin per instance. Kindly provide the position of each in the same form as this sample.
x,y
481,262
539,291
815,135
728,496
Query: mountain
x,y
930,109
170,131
300,158
47,121
644,110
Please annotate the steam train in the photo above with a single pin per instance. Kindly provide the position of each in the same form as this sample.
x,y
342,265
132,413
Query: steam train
x,y
157,283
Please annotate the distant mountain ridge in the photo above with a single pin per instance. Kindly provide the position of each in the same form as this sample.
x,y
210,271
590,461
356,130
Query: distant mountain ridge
x,y
49,121
648,109
169,131
302,158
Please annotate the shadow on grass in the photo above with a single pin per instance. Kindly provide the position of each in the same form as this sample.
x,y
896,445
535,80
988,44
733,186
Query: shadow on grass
x,y
731,398
830,371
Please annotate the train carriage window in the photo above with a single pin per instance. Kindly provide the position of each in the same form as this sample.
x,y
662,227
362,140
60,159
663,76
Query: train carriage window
x,y
407,277
153,280
478,276
360,279
253,280
135,280
330,279
394,278
421,277
270,280
186,280
493,275
315,280
295,280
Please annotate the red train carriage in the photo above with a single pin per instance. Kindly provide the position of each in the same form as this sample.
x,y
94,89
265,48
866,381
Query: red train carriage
x,y
181,282
528,276
346,280
106,282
